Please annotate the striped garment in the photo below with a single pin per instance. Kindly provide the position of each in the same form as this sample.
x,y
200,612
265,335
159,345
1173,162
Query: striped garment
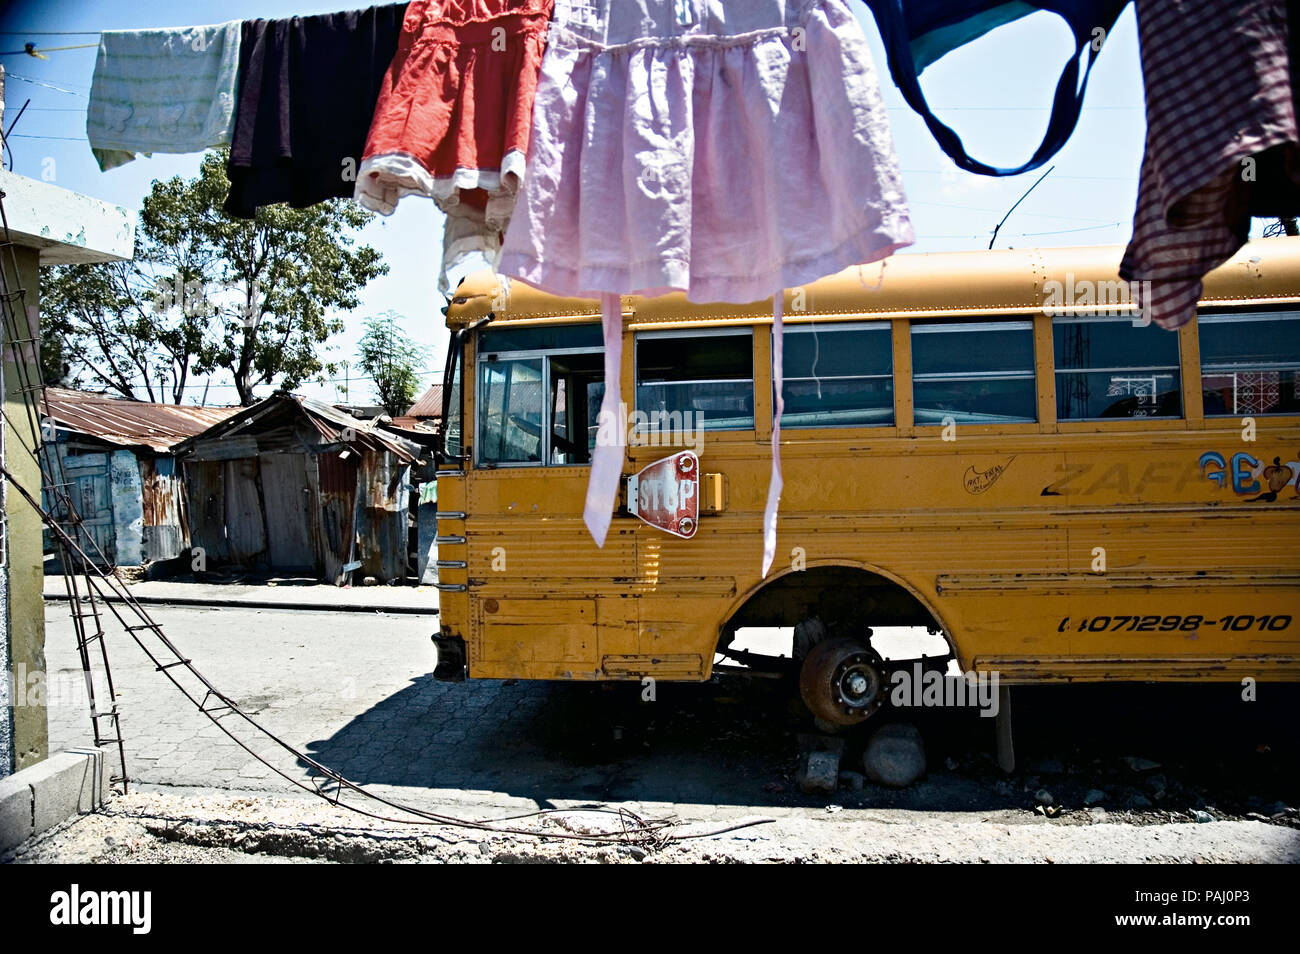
x,y
1221,141
166,90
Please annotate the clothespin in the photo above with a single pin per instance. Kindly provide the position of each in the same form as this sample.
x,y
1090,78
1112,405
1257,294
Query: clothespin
x,y
30,50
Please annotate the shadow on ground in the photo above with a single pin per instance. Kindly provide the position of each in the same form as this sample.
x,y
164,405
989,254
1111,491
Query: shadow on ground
x,y
1143,748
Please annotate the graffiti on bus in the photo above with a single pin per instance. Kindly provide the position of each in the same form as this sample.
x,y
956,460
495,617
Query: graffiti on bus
x,y
1255,480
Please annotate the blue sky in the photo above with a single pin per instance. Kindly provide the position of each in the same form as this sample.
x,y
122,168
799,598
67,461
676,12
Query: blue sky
x,y
995,92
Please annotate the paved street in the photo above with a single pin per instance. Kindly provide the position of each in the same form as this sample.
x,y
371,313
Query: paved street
x,y
353,691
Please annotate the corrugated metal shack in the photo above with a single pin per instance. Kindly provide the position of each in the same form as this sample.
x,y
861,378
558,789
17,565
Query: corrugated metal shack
x,y
117,455
291,485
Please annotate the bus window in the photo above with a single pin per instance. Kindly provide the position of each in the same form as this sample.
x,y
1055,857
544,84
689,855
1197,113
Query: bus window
x,y
1250,363
510,411
708,375
839,375
577,385
539,338
973,372
451,445
539,392
1109,367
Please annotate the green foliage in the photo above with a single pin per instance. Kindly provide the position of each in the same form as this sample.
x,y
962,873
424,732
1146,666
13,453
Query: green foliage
x,y
390,358
55,368
256,298
99,319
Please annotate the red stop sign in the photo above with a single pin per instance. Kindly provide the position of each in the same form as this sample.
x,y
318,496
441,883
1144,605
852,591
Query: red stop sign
x,y
667,494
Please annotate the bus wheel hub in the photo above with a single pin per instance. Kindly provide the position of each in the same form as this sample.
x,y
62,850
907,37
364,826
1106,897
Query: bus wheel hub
x,y
842,682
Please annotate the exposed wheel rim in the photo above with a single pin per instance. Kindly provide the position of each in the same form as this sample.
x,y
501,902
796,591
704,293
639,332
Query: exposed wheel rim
x,y
842,682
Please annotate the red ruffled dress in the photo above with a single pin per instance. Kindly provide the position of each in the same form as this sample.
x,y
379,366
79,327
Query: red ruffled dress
x,y
454,116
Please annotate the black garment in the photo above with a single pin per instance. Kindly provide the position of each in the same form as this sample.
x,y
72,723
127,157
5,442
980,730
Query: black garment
x,y
307,92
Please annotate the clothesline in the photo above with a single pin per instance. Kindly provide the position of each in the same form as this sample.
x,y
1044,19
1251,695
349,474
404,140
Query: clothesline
x,y
892,109
31,50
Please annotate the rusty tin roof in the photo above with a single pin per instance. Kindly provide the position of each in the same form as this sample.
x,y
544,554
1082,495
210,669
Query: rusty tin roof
x,y
126,423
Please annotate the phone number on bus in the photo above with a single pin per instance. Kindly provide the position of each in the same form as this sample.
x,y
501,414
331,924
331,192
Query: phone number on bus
x,y
1167,624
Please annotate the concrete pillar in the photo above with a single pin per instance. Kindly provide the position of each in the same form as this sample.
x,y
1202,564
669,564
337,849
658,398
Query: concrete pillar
x,y
49,226
24,619
6,680
6,685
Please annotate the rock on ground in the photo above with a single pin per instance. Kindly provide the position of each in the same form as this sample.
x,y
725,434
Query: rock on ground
x,y
895,756
818,773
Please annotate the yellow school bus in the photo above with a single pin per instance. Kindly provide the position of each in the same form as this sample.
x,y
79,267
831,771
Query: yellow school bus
x,y
995,445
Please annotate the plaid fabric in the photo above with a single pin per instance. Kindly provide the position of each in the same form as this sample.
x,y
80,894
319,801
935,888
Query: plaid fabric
x,y
1219,94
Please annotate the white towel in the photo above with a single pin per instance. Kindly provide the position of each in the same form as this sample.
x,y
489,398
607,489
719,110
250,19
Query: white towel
x,y
167,90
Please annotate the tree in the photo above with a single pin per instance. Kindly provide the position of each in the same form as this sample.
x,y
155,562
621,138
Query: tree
x,y
117,325
56,369
209,292
390,357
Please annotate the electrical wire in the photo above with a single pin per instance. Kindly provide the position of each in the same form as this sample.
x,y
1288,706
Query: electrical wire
x,y
954,171
974,208
77,91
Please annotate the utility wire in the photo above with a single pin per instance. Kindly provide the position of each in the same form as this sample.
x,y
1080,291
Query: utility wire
x,y
79,91
997,227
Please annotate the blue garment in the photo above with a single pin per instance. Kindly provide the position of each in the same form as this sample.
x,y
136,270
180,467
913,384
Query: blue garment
x,y
918,32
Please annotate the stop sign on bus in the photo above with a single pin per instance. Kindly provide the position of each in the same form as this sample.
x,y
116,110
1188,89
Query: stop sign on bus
x,y
666,494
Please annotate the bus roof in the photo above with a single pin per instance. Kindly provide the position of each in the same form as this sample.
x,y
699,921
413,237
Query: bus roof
x,y
968,285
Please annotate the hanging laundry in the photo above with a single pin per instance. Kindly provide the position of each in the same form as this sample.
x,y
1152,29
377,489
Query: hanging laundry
x,y
743,150
918,32
307,92
167,90
726,150
466,231
454,115
1222,142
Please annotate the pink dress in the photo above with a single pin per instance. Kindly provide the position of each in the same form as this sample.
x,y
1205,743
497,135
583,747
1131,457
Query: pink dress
x,y
728,150
723,149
